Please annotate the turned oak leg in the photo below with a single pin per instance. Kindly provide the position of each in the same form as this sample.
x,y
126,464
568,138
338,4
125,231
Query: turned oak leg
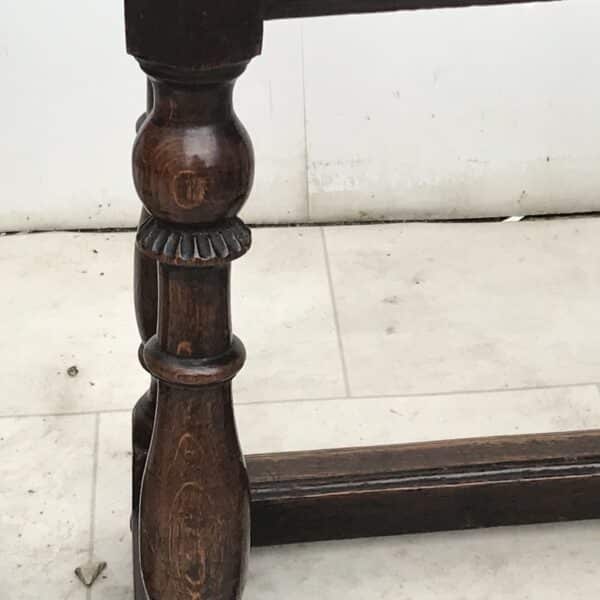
x,y
145,286
146,304
145,277
146,309
193,169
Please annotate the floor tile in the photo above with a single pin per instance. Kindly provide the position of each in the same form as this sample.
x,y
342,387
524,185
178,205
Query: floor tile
x,y
370,421
513,563
45,505
112,541
464,306
70,303
282,311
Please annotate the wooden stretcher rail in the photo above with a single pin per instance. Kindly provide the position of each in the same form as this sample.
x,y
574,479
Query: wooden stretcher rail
x,y
459,484
286,9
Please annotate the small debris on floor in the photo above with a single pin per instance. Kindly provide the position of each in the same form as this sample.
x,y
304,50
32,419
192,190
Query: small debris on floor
x,y
89,572
73,371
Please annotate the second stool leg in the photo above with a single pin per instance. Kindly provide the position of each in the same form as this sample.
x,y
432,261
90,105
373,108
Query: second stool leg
x,y
145,276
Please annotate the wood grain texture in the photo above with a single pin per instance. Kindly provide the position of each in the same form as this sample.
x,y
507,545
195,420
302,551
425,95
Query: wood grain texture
x,y
288,9
193,169
458,484
194,512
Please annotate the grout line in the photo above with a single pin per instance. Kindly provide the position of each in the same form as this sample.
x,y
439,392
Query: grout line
x,y
420,394
374,396
94,490
391,221
81,413
306,177
335,317
102,230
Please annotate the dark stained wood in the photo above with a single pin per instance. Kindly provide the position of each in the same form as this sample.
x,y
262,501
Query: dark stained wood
x,y
145,285
194,34
287,9
142,426
193,169
459,484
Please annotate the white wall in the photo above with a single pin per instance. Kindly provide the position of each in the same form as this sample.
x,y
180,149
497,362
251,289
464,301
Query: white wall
x,y
456,113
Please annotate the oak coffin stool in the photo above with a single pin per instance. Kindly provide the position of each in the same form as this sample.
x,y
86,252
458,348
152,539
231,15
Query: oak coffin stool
x,y
195,496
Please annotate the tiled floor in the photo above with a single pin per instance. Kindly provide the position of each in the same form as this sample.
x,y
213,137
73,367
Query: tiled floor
x,y
355,335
